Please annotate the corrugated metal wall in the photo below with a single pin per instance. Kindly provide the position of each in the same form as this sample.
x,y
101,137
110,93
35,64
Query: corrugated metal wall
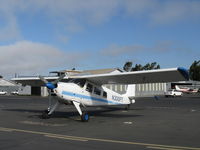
x,y
141,90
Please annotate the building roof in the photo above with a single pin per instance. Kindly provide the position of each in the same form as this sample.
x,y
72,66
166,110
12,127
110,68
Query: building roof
x,y
4,82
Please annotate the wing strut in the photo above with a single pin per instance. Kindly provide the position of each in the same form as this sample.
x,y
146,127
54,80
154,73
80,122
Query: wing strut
x,y
77,105
84,115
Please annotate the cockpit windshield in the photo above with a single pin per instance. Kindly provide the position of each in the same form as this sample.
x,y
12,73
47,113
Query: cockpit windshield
x,y
80,82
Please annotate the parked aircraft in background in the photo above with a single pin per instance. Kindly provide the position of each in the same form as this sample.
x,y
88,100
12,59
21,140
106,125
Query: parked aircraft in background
x,y
186,89
82,90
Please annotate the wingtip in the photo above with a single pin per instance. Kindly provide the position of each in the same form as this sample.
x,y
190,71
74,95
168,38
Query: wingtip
x,y
184,72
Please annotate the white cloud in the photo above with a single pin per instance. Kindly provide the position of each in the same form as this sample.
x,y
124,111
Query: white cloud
x,y
163,46
75,15
8,26
139,7
115,54
26,57
175,11
117,50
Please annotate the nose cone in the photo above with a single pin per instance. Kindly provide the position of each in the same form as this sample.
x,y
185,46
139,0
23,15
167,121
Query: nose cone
x,y
51,86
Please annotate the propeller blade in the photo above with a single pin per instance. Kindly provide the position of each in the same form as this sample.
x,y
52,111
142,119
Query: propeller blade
x,y
49,91
43,79
59,79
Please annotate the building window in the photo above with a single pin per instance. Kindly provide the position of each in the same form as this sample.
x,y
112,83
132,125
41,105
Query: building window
x,y
142,87
159,87
147,89
153,85
115,87
150,86
121,88
162,86
156,87
138,87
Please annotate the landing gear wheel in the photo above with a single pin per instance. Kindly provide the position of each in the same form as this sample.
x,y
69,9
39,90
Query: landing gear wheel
x,y
85,117
45,115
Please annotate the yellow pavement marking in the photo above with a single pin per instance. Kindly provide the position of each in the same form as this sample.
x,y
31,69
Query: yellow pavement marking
x,y
6,130
66,138
60,136
162,148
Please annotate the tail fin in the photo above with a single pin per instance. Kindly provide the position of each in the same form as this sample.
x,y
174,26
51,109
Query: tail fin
x,y
130,92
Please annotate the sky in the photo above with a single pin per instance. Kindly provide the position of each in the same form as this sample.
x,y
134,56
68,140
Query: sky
x,y
39,36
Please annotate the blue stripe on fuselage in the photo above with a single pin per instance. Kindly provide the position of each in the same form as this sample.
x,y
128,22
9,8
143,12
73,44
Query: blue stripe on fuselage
x,y
88,97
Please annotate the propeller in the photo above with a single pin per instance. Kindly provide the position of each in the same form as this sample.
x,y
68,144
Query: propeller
x,y
59,79
50,86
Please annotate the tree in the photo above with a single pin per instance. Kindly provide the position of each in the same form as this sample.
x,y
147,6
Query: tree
x,y
137,67
148,66
128,66
195,71
154,65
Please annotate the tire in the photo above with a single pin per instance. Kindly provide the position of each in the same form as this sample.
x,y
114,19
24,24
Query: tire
x,y
85,117
45,115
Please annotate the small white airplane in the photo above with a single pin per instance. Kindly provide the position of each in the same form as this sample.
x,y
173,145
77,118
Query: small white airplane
x,y
186,89
84,90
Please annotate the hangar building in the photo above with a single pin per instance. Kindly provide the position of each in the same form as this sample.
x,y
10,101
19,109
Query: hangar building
x,y
8,86
141,90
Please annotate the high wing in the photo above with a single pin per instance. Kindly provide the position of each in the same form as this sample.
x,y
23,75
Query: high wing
x,y
33,81
139,77
136,77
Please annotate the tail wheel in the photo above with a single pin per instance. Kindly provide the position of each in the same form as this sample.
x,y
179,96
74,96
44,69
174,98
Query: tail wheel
x,y
127,107
85,117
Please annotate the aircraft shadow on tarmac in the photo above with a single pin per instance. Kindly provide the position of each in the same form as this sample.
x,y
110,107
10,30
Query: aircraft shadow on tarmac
x,y
111,112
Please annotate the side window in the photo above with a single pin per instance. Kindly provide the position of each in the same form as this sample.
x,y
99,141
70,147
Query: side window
x,y
82,83
104,94
89,87
97,91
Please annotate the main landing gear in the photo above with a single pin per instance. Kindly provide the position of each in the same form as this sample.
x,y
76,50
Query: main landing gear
x,y
85,117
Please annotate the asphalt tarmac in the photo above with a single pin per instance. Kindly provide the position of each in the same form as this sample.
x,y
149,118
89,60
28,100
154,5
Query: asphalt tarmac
x,y
149,124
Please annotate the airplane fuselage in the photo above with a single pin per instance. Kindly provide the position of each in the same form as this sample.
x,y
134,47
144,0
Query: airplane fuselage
x,y
89,94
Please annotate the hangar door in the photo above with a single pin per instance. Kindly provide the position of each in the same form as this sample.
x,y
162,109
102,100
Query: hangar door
x,y
35,90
